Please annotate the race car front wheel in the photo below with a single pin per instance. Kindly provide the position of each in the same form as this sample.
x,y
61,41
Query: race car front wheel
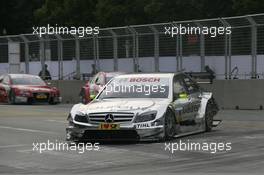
x,y
52,101
209,114
12,97
170,125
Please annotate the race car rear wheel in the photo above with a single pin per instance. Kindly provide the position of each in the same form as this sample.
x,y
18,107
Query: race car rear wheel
x,y
209,114
52,101
29,101
170,125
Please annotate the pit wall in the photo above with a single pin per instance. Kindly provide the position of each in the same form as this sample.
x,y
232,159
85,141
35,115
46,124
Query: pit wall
x,y
69,89
238,94
229,94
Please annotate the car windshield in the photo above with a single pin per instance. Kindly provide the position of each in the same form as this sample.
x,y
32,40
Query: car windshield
x,y
108,78
136,87
24,80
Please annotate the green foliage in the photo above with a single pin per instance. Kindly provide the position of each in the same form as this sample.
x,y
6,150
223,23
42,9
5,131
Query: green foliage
x,y
18,16
66,12
242,7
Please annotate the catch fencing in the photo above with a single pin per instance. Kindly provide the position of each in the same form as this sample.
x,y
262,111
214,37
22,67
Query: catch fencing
x,y
142,48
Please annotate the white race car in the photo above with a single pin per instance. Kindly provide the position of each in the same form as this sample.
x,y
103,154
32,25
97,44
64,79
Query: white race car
x,y
156,106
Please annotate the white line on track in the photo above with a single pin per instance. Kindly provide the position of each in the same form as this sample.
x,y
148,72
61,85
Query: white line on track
x,y
27,130
11,146
141,153
57,121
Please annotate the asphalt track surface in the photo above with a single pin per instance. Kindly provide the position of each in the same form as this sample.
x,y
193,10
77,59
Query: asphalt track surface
x,y
23,125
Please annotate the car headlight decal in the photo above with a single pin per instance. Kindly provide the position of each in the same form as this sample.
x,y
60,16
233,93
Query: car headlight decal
x,y
22,92
81,118
158,122
147,116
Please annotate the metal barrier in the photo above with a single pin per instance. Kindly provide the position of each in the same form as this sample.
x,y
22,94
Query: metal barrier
x,y
146,48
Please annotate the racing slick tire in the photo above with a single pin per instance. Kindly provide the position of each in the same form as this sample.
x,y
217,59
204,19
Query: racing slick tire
x,y
12,97
51,101
209,114
30,101
169,125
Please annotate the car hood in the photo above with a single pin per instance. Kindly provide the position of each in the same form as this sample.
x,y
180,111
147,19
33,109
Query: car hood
x,y
33,88
121,105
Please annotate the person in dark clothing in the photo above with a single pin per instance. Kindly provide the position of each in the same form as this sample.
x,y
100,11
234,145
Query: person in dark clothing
x,y
46,75
94,71
211,72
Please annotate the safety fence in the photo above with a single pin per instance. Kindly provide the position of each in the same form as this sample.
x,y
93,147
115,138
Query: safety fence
x,y
143,48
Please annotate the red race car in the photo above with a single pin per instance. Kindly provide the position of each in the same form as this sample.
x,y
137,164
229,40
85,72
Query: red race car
x,y
93,87
24,88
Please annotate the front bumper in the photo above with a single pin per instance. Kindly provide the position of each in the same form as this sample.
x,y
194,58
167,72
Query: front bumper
x,y
33,99
21,99
77,132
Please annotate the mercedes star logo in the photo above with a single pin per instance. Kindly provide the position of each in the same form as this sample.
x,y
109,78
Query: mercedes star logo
x,y
109,118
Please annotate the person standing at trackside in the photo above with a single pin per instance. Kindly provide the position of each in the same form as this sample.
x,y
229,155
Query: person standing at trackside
x,y
211,72
94,71
46,75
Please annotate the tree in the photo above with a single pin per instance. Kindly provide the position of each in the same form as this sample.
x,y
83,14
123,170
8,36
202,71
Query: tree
x,y
66,12
16,16
19,16
242,7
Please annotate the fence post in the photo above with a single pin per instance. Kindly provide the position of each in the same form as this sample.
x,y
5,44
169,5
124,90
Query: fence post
x,y
42,55
94,50
230,55
253,47
26,53
77,57
226,47
202,48
135,48
156,47
115,47
13,55
96,53
178,49
60,56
